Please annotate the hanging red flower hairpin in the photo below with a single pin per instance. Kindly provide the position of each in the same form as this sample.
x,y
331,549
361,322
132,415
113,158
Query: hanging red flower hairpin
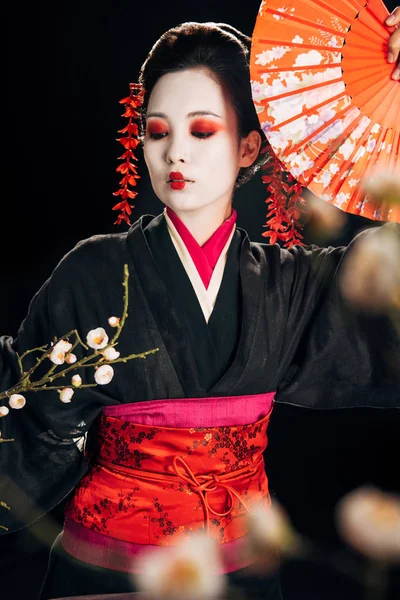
x,y
130,141
284,204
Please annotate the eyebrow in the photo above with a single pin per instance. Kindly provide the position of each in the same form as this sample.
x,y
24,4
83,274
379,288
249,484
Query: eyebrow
x,y
196,113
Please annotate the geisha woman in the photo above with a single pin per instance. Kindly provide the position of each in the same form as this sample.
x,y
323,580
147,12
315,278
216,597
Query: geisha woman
x,y
175,442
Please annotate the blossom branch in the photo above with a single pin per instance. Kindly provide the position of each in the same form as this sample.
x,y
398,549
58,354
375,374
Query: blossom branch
x,y
61,351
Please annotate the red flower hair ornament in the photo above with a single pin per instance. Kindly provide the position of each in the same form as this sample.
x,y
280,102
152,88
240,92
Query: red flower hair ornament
x,y
130,141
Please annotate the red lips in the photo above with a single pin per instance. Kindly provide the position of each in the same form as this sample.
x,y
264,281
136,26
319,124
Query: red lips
x,y
177,180
176,175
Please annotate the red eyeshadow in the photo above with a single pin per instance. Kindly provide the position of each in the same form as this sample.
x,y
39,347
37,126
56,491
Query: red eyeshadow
x,y
156,126
205,126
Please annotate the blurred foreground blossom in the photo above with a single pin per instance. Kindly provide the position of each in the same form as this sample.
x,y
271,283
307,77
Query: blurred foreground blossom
x,y
369,520
384,186
324,219
370,276
271,537
189,571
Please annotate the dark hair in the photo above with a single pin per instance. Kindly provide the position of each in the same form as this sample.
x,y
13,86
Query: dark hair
x,y
222,50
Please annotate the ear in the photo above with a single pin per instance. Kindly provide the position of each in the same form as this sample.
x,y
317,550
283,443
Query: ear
x,y
249,148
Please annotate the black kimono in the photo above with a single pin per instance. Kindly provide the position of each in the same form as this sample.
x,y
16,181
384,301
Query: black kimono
x,y
278,324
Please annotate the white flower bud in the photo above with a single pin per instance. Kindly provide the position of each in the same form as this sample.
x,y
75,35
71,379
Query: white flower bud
x,y
114,321
70,359
66,395
104,374
110,353
97,338
4,411
17,401
76,380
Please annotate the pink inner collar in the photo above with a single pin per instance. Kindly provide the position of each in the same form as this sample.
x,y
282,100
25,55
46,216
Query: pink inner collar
x,y
204,257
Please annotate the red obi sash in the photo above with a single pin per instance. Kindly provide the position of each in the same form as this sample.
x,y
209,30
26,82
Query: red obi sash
x,y
152,485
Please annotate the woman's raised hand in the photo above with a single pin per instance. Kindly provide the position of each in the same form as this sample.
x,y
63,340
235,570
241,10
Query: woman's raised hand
x,y
394,42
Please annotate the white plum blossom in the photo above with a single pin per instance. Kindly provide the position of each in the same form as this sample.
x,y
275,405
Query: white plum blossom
x,y
270,537
104,374
70,358
97,338
76,380
59,351
325,219
17,401
66,395
114,321
383,185
192,570
369,520
110,353
4,410
370,276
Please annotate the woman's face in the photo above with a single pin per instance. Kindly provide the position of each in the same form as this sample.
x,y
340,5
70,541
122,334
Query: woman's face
x,y
192,148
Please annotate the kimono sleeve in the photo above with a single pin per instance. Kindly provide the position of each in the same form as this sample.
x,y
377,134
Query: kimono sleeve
x,y
339,358
44,459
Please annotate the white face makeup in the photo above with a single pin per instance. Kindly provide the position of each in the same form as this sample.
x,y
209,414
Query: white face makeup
x,y
192,135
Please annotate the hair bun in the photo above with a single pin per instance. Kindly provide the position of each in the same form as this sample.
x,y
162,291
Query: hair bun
x,y
239,35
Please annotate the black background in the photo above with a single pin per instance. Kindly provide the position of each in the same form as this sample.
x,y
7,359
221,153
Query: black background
x,y
69,64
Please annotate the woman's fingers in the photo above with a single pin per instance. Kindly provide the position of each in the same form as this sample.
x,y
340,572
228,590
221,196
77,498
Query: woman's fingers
x,y
394,42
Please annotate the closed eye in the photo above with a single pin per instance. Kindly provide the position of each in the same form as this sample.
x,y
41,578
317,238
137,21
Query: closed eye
x,y
157,136
202,135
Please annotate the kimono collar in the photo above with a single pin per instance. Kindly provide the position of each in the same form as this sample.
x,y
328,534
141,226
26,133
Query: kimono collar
x,y
204,257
